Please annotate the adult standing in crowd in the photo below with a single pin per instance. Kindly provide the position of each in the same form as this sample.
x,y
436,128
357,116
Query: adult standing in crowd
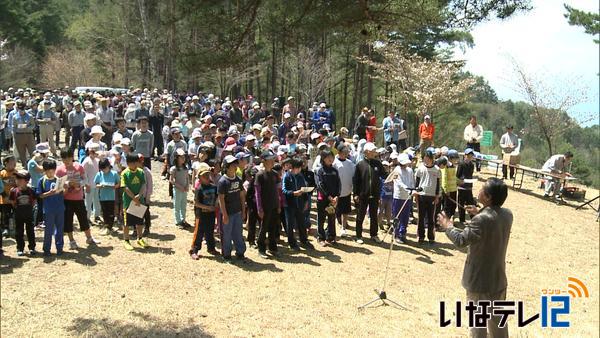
x,y
367,189
47,121
472,135
107,119
484,275
362,122
76,120
22,125
508,143
426,134
391,127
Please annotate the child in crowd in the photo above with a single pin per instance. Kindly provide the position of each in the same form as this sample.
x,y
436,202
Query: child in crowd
x,y
133,183
441,162
465,190
345,168
404,184
34,166
7,175
142,141
204,208
328,189
73,197
90,167
23,198
54,208
179,179
385,206
146,195
231,197
293,182
252,219
428,180
449,186
106,182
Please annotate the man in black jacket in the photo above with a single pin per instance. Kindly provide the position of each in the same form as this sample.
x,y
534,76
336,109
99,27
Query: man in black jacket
x,y
366,189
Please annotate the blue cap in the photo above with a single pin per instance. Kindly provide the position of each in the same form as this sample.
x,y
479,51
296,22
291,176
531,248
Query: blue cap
x,y
468,151
242,155
452,153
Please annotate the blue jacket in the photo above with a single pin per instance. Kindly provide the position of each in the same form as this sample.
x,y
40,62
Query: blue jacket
x,y
290,184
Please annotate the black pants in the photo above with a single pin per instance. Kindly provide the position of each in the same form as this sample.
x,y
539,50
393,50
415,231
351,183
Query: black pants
x,y
373,205
269,225
295,219
72,209
322,215
108,213
148,162
147,219
205,228
39,216
251,225
450,205
24,222
75,137
505,169
6,211
465,197
401,145
158,143
477,148
426,216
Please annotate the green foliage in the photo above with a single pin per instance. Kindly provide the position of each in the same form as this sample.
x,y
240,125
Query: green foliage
x,y
588,20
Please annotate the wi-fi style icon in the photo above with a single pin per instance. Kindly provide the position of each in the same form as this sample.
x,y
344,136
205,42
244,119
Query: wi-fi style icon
x,y
577,288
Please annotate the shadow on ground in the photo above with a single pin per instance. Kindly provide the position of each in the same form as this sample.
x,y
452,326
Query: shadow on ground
x,y
142,325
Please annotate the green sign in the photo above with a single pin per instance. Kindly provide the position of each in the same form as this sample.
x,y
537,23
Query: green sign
x,y
486,141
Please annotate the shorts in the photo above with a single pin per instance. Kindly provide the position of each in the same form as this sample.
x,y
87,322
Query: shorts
x,y
75,208
131,220
344,205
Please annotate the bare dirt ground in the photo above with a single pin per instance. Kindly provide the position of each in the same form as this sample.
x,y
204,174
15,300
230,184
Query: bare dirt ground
x,y
106,291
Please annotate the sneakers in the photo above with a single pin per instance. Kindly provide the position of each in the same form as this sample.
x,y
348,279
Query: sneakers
x,y
213,252
322,243
273,253
376,239
359,241
195,256
308,245
20,253
142,243
92,240
127,245
295,247
33,252
262,254
186,224
398,241
73,245
343,233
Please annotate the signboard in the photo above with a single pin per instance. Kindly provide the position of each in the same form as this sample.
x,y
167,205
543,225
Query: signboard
x,y
486,141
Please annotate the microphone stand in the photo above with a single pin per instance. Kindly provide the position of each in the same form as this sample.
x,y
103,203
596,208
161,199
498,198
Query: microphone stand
x,y
381,294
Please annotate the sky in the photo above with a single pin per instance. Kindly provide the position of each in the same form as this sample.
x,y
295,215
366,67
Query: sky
x,y
544,43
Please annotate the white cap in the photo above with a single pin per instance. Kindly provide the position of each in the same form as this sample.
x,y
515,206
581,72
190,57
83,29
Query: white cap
x,y
250,138
369,146
427,117
89,117
326,126
314,136
180,152
323,105
256,126
403,159
96,130
195,97
381,150
287,115
386,163
125,141
93,146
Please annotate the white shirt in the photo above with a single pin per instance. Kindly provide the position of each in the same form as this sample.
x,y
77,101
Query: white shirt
x,y
473,133
90,167
404,181
346,171
428,179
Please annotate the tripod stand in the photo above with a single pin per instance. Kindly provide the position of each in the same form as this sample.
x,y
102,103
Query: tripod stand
x,y
381,294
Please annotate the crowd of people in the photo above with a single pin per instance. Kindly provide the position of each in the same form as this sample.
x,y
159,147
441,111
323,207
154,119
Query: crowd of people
x,y
244,163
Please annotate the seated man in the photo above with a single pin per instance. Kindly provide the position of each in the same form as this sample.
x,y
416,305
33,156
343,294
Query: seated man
x,y
557,165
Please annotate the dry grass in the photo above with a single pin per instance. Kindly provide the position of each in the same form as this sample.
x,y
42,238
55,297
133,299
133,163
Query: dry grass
x,y
107,291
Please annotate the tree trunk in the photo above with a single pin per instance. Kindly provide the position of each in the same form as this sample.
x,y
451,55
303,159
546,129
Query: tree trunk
x,y
273,67
345,97
369,80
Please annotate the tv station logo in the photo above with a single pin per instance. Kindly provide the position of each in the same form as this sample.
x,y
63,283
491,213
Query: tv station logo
x,y
555,307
